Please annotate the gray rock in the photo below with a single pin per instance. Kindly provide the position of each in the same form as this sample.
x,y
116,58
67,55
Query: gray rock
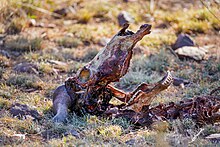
x,y
190,52
73,133
23,111
130,142
180,82
5,53
183,40
26,67
125,17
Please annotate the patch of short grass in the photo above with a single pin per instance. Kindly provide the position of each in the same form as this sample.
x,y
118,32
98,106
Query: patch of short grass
x,y
4,61
157,40
93,33
196,26
82,32
159,62
46,68
19,126
191,21
84,55
1,72
44,55
7,92
148,69
110,131
25,81
4,104
15,26
95,9
84,15
69,42
21,44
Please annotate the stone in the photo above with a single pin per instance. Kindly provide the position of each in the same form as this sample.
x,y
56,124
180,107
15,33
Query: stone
x,y
190,52
5,53
23,111
32,22
183,40
130,142
125,17
180,82
73,133
26,67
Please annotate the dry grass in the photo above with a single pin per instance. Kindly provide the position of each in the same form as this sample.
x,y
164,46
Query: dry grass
x,y
21,44
74,45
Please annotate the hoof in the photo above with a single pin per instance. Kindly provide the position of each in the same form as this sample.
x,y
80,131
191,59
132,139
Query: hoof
x,y
59,118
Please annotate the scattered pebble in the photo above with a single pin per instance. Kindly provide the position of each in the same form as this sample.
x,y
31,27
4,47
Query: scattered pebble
x,y
23,111
183,40
26,67
190,52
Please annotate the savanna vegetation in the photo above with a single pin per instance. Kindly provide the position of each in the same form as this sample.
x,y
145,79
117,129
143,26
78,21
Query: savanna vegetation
x,y
42,42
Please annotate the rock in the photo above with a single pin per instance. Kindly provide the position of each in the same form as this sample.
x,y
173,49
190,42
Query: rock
x,y
183,40
26,67
196,53
32,22
125,17
20,111
5,53
62,12
104,41
73,133
180,82
130,142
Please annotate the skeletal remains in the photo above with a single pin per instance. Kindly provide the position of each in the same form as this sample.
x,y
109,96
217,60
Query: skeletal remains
x,y
90,89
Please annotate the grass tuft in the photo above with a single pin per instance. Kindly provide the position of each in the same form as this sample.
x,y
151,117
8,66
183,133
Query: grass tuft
x,y
69,42
15,26
25,81
21,44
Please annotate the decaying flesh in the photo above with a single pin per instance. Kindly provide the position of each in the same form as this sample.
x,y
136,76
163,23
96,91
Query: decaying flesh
x,y
90,90
201,109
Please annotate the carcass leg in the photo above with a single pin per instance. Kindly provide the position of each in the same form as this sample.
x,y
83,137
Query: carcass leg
x,y
61,103
143,94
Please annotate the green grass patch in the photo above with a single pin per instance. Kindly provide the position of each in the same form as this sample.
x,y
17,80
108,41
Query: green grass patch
x,y
191,21
25,81
69,42
21,44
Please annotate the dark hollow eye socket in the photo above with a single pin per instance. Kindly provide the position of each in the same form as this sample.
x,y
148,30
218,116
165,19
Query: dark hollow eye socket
x,y
84,75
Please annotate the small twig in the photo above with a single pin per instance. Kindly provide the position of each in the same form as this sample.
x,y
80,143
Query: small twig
x,y
40,10
197,135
